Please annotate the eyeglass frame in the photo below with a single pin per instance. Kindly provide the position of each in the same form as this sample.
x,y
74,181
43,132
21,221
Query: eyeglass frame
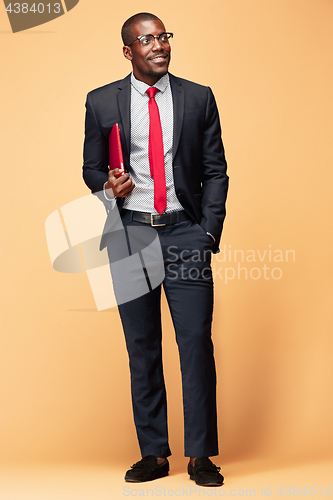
x,y
154,36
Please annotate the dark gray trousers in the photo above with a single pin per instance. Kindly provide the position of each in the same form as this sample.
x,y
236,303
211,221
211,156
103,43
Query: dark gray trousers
x,y
188,287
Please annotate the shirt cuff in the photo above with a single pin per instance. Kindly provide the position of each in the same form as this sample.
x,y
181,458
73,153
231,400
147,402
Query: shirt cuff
x,y
111,201
211,236
109,198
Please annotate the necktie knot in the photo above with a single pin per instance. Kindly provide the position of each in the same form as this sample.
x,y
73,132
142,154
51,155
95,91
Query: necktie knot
x,y
151,92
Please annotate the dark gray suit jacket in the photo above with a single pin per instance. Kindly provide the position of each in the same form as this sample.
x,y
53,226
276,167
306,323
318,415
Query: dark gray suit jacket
x,y
199,164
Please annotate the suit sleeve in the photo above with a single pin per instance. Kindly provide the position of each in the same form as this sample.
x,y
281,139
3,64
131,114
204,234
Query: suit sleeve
x,y
95,151
214,178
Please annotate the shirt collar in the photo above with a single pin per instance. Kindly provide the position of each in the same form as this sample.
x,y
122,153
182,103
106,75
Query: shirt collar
x,y
141,87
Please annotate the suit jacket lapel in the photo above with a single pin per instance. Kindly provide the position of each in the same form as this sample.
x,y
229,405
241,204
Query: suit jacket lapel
x,y
124,106
178,111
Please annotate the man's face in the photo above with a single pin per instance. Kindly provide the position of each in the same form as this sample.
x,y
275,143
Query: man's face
x,y
149,64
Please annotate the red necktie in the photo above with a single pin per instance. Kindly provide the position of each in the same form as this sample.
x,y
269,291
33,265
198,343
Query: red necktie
x,y
156,153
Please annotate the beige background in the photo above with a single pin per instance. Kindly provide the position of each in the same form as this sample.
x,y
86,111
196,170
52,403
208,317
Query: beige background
x,y
64,370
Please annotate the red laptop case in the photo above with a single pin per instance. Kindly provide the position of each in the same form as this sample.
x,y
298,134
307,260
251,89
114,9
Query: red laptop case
x,y
115,152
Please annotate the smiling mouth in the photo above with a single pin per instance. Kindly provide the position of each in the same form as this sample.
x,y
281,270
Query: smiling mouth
x,y
159,58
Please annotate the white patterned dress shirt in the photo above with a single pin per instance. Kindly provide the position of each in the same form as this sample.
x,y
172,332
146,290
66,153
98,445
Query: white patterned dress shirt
x,y
141,198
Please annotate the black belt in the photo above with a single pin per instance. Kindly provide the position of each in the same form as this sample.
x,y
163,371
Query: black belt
x,y
155,219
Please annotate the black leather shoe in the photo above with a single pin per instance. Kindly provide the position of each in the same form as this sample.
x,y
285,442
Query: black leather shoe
x,y
147,469
205,473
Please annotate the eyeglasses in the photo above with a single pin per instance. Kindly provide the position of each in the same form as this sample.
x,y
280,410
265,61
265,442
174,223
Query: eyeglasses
x,y
149,40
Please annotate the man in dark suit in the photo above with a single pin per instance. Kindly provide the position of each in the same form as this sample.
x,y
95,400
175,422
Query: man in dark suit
x,y
189,222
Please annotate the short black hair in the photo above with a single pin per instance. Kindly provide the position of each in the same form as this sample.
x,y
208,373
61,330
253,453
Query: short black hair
x,y
127,29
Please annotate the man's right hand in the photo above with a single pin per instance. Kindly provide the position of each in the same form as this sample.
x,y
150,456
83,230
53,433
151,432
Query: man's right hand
x,y
121,186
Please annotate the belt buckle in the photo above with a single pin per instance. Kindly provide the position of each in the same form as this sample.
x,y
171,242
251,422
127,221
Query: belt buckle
x,y
152,221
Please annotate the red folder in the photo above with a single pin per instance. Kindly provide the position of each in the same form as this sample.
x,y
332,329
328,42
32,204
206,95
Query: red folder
x,y
115,152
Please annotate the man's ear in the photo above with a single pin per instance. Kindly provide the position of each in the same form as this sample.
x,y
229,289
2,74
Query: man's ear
x,y
127,52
